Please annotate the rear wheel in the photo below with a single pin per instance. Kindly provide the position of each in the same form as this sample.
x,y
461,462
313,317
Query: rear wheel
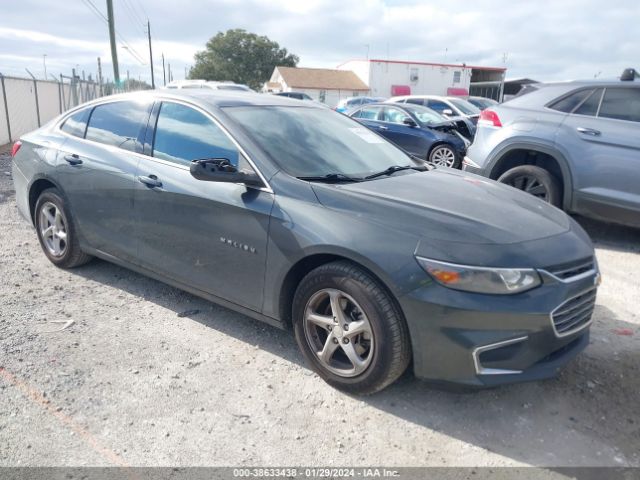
x,y
444,156
534,180
56,232
349,329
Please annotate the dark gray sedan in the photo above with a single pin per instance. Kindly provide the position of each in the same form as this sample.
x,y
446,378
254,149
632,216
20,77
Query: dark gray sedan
x,y
300,217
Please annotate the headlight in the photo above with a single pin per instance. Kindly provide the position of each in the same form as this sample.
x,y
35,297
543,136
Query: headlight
x,y
501,281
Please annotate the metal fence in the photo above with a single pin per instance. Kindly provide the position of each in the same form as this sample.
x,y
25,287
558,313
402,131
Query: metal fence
x,y
28,103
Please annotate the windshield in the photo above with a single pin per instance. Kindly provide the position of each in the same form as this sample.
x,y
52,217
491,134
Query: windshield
x,y
425,115
309,142
465,107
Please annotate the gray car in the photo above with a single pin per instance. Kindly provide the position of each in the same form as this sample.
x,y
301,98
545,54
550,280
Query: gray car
x,y
573,144
300,217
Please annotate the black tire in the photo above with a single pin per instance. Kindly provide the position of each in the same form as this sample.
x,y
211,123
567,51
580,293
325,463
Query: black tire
x,y
444,147
534,180
391,353
71,255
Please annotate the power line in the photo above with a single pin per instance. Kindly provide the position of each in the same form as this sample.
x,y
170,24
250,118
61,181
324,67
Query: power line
x,y
100,15
132,11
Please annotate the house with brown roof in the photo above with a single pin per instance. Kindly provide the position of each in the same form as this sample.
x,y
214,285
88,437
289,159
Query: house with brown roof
x,y
322,84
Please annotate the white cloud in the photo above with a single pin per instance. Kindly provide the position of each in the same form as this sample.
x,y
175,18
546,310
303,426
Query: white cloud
x,y
545,40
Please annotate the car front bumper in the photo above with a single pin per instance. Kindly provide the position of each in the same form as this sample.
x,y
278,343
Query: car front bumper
x,y
482,340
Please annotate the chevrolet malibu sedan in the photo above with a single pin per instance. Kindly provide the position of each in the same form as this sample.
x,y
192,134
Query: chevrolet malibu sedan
x,y
299,216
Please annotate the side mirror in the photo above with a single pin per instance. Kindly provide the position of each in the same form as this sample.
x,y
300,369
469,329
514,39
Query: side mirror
x,y
447,111
221,170
410,122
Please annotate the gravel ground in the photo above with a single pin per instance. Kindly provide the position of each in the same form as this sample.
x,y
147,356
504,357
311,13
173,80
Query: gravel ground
x,y
102,366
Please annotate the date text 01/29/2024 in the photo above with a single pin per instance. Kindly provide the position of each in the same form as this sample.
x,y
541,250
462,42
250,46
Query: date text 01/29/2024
x,y
316,472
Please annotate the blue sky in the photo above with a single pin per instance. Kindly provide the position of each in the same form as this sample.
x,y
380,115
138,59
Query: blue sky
x,y
546,40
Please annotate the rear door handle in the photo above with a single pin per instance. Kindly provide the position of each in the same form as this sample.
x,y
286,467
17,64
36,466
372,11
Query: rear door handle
x,y
151,181
73,159
588,131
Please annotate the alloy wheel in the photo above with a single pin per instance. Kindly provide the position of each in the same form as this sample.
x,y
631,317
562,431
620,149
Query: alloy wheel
x,y
339,332
443,157
53,229
531,185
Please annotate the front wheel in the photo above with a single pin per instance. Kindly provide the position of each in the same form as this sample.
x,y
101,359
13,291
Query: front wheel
x,y
534,180
349,329
444,156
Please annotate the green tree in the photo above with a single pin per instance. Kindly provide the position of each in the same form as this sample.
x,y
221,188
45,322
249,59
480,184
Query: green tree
x,y
241,57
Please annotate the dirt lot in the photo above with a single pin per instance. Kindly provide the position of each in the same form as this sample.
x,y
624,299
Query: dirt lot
x,y
101,366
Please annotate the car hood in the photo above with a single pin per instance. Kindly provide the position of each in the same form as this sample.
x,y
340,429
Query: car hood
x,y
447,205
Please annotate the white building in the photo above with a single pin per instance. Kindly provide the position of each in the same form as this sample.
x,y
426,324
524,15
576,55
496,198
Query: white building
x,y
321,84
387,78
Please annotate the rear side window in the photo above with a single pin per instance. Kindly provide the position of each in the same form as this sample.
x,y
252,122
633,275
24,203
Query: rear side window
x,y
76,124
184,134
621,104
415,101
118,124
571,101
591,104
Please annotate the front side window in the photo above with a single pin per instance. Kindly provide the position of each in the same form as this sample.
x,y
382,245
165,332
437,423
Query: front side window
x,y
307,142
76,124
184,134
118,124
621,104
394,115
425,115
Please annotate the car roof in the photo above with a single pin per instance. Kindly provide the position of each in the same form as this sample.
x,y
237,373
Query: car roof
x,y
206,98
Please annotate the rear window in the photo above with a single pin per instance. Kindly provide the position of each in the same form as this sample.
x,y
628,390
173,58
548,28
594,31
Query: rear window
x,y
118,124
76,124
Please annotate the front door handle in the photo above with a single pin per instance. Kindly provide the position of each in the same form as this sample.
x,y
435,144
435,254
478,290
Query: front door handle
x,y
73,159
151,181
588,131
382,127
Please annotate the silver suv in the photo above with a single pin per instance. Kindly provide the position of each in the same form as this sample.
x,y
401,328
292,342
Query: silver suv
x,y
574,144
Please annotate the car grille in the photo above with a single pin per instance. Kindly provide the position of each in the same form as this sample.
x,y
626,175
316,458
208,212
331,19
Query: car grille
x,y
575,313
570,270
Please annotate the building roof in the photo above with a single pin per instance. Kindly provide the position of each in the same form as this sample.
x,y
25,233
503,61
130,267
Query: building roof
x,y
321,79
408,62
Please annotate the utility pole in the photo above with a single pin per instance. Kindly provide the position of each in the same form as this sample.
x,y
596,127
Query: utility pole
x,y
112,39
164,73
100,76
153,82
185,72
44,62
169,71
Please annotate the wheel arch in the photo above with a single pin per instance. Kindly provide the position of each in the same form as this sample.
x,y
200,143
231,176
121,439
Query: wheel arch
x,y
39,185
313,260
544,156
